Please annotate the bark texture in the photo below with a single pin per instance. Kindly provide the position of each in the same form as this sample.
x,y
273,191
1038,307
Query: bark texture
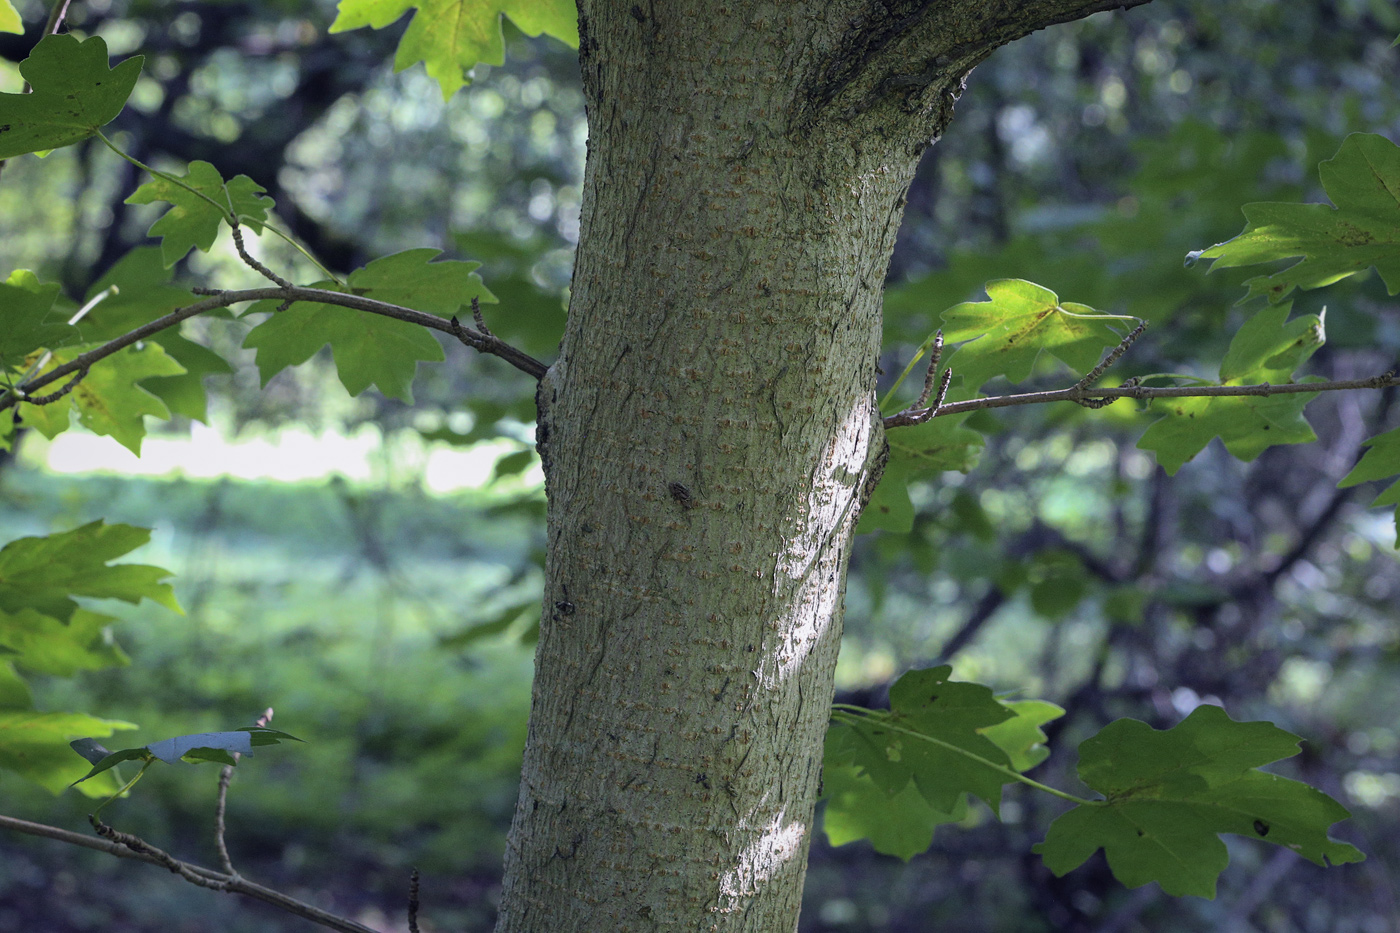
x,y
709,434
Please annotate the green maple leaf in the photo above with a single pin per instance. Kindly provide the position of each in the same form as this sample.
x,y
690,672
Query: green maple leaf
x,y
109,399
9,18
1170,794
1381,461
1362,230
222,747
46,573
144,293
1006,334
1268,348
193,218
1021,737
451,36
46,645
900,824
28,320
36,746
74,94
370,349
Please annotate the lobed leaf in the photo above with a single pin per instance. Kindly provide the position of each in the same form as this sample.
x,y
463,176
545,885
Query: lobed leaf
x,y
9,18
370,349
1170,794
46,573
1005,335
199,203
1268,349
74,93
1381,461
35,745
28,320
43,644
1358,231
451,36
894,776
110,399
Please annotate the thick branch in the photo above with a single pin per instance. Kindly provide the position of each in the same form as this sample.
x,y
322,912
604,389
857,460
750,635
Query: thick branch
x,y
483,342
232,883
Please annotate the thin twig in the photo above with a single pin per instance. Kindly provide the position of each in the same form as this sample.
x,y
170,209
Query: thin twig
x,y
52,397
413,902
934,355
251,262
222,299
921,410
479,317
233,885
1111,358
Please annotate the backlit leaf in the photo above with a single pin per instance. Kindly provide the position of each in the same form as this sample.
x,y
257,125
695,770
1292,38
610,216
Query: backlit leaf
x,y
44,645
45,573
9,18
1362,230
1170,794
109,400
74,94
1006,334
451,36
35,746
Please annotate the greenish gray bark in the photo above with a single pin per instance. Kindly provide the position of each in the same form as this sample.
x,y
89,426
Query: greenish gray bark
x,y
709,434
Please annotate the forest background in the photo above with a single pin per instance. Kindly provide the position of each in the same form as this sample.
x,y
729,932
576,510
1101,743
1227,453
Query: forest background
x,y
1089,158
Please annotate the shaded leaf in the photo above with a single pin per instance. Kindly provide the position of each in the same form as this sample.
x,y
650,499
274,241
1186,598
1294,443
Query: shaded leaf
x,y
74,94
1381,461
193,221
1171,793
900,824
1362,230
451,36
28,319
370,349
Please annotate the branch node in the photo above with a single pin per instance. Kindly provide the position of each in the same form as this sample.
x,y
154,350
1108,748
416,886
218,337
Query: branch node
x,y
68,386
1110,358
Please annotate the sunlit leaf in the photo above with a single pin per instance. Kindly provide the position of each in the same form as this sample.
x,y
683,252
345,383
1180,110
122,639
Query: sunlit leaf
x,y
1361,231
109,400
45,645
1006,334
1170,794
899,824
451,36
74,93
9,18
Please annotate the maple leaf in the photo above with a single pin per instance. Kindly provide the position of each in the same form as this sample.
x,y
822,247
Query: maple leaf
x,y
9,18
451,36
74,94
1006,334
1268,348
109,399
35,745
1170,794
195,215
1361,231
28,320
370,349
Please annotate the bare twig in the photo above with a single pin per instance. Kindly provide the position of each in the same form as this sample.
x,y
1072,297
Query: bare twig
x,y
252,263
921,410
413,902
68,386
210,878
483,343
1111,357
221,802
478,317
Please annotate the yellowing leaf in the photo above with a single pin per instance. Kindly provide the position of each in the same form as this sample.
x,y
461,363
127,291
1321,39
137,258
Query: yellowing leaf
x,y
9,18
451,36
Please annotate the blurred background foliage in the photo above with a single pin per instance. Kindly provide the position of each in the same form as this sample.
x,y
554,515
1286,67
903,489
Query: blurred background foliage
x,y
380,595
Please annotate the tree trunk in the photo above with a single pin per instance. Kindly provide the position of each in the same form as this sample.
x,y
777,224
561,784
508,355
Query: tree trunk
x,y
709,435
